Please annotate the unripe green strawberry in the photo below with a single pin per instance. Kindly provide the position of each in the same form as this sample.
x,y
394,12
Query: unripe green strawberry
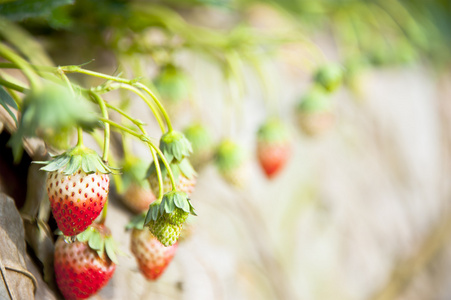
x,y
165,219
230,160
172,84
202,144
77,185
85,266
151,255
329,76
164,231
175,146
273,146
315,112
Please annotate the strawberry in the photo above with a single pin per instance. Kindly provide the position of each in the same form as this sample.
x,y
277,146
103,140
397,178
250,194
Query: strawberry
x,y
152,256
138,194
273,147
77,185
86,265
138,198
329,76
202,144
165,219
230,160
184,176
315,112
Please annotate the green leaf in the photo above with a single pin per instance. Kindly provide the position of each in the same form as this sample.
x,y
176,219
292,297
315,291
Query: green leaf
x,y
110,249
95,241
6,100
88,164
23,9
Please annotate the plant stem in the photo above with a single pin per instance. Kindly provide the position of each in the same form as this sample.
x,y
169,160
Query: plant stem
x,y
13,86
163,111
106,135
80,136
23,65
77,69
152,108
157,167
147,140
104,212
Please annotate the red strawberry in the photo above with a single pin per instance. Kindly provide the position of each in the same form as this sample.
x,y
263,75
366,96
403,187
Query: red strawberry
x,y
80,270
152,257
273,147
77,186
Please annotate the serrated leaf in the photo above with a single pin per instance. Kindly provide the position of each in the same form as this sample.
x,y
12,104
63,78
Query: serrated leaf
x,y
6,100
73,165
95,241
110,249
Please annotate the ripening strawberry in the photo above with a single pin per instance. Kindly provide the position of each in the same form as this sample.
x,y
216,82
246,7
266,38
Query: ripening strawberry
x,y
231,161
152,256
77,185
77,199
273,147
315,112
80,270
184,176
138,198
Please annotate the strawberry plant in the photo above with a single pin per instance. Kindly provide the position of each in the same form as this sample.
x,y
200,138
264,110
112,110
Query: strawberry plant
x,y
86,89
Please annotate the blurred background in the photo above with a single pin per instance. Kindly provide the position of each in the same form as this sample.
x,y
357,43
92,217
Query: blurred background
x,y
360,209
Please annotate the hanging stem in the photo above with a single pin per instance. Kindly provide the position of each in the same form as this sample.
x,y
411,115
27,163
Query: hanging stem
x,y
163,111
157,168
104,212
106,136
147,140
80,136
151,106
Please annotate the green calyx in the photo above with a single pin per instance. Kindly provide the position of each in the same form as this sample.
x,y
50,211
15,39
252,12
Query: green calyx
x,y
199,136
329,76
184,168
137,222
172,84
77,158
229,156
51,112
316,100
273,130
175,207
100,241
175,146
